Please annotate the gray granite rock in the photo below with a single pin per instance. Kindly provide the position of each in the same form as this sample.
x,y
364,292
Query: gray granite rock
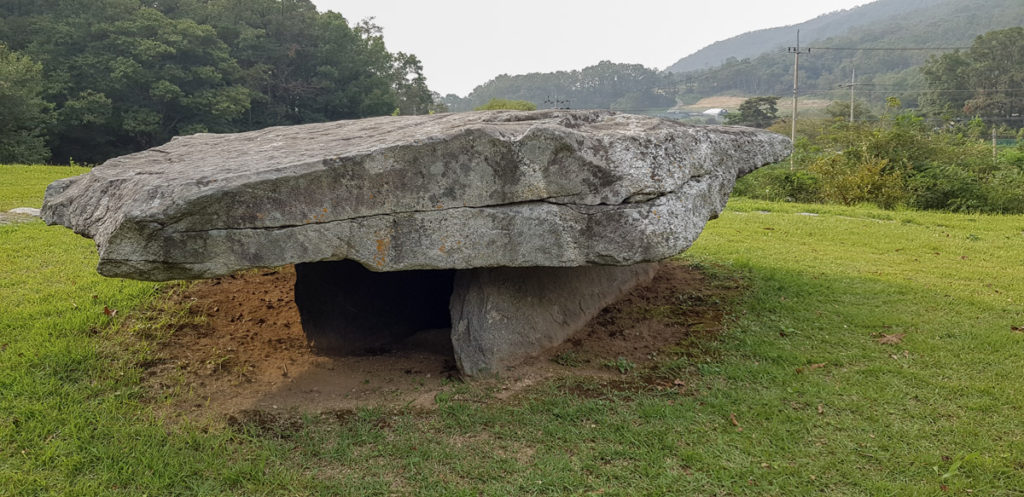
x,y
448,191
526,224
501,316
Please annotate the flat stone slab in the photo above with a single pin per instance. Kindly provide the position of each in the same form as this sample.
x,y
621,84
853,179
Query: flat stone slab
x,y
448,191
19,215
25,211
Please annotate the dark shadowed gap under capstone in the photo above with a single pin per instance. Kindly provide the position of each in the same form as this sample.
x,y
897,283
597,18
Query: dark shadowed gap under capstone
x,y
348,309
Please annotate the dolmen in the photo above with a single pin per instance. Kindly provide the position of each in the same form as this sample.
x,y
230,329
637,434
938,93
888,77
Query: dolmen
x,y
511,228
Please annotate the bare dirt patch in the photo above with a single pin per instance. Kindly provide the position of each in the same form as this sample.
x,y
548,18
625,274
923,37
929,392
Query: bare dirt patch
x,y
245,351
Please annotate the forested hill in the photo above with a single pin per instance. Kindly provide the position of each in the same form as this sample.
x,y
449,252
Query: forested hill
x,y
945,24
824,26
601,86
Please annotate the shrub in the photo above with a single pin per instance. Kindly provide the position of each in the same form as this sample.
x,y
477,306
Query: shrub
x,y
899,162
779,183
854,180
503,104
1004,191
946,187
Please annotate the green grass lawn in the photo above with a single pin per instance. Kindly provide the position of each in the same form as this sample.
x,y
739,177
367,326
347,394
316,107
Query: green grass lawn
x,y
822,407
23,186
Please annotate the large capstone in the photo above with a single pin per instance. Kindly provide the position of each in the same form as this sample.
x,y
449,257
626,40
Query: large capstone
x,y
418,194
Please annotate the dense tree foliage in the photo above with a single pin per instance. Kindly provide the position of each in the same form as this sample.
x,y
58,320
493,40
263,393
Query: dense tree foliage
x,y
985,80
124,75
23,113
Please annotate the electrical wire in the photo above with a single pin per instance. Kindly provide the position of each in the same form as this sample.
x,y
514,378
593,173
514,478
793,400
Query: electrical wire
x,y
893,49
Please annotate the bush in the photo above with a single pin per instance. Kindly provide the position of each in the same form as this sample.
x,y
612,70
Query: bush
x,y
899,162
946,187
778,183
503,104
1004,192
853,180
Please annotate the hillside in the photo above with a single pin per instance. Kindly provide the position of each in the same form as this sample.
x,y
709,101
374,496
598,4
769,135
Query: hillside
x,y
754,43
601,86
943,24
881,72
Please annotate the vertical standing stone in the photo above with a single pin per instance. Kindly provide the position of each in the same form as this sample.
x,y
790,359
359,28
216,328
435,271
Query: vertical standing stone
x,y
503,315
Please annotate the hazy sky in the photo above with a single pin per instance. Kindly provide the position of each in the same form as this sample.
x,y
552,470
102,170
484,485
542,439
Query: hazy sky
x,y
464,43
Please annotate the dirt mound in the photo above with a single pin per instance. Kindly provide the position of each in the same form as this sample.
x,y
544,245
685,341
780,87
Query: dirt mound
x,y
245,350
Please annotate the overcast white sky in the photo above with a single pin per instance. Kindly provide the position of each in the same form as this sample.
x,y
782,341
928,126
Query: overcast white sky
x,y
465,43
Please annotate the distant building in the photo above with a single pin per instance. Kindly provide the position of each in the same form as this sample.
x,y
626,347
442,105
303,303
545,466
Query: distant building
x,y
717,112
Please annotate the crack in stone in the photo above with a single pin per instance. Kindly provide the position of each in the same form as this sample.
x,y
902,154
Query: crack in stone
x,y
547,200
636,198
585,209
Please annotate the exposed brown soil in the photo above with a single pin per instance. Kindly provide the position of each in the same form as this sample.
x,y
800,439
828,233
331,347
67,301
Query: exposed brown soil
x,y
245,351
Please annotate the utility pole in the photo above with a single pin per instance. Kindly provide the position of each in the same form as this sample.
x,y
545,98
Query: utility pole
x,y
853,81
796,51
852,84
995,150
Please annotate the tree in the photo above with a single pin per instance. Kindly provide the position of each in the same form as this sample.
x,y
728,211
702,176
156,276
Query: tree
x,y
410,86
500,103
304,66
124,75
756,112
23,113
984,80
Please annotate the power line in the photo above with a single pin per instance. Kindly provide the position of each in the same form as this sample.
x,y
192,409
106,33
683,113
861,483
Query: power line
x,y
881,49
882,86
886,49
660,111
898,90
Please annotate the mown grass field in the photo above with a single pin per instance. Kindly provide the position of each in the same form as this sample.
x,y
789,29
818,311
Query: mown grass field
x,y
23,186
873,353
